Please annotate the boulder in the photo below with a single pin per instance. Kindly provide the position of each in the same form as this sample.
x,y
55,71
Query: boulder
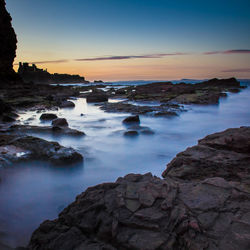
x,y
48,116
67,104
131,119
60,122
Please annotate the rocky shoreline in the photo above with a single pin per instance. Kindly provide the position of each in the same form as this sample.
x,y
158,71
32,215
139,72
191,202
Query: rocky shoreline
x,y
203,202
190,209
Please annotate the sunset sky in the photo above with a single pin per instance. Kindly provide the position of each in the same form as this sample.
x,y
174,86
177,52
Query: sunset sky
x,y
135,39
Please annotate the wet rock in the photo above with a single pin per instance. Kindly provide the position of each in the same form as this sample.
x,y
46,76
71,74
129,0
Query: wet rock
x,y
207,92
97,97
224,154
14,148
60,122
48,116
67,104
139,109
142,129
47,129
166,113
131,119
131,133
234,90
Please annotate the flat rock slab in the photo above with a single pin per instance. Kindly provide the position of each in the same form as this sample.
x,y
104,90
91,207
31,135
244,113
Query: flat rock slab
x,y
14,148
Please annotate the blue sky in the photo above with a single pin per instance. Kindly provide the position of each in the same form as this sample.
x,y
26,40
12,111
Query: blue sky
x,y
63,29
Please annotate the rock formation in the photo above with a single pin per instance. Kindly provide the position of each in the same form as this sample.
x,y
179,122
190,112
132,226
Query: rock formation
x,y
33,74
8,43
208,208
16,148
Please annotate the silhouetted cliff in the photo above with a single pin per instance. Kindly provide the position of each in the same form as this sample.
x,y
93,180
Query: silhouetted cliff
x,y
8,43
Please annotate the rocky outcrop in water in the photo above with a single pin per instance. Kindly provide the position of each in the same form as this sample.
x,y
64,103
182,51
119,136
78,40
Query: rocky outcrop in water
x,y
211,211
207,92
16,148
8,43
225,154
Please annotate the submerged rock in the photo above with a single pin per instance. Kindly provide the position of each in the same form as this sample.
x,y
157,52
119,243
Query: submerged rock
x,y
48,116
131,133
47,129
131,119
206,210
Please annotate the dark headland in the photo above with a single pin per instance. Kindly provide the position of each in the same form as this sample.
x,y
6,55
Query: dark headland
x,y
202,201
31,73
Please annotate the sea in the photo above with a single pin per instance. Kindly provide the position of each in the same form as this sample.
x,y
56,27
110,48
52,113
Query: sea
x,y
36,191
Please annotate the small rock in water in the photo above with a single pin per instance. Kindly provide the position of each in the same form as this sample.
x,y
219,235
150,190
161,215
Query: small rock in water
x,y
60,122
48,116
132,119
67,104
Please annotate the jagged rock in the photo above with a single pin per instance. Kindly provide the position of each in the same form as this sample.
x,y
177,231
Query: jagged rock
x,y
219,154
60,122
131,119
7,42
48,116
202,211
67,104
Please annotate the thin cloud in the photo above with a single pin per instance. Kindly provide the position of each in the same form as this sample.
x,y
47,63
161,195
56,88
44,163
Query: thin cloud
x,y
234,51
130,57
236,70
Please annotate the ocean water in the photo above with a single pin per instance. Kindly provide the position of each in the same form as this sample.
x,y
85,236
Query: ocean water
x,y
35,191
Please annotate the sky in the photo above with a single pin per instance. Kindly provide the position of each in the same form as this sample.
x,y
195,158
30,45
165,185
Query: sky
x,y
134,39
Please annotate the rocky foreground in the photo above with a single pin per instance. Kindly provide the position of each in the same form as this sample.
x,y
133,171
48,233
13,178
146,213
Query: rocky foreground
x,y
203,202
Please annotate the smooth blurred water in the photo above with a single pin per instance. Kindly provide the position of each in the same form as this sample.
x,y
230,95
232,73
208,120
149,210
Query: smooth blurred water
x,y
33,192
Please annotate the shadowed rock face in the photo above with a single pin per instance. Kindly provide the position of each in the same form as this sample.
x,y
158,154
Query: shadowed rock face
x,y
225,154
211,212
7,42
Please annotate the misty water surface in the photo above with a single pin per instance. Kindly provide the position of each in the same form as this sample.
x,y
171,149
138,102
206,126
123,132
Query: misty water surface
x,y
33,192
